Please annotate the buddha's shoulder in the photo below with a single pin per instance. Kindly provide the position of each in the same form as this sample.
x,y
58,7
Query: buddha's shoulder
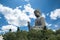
x,y
42,18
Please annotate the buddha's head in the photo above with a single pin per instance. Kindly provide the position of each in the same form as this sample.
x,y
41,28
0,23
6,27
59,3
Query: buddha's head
x,y
37,13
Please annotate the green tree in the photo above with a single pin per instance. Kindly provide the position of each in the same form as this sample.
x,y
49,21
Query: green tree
x,y
21,35
58,36
52,37
58,31
10,36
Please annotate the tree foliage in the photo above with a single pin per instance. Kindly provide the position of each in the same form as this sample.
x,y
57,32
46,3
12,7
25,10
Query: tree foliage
x,y
33,35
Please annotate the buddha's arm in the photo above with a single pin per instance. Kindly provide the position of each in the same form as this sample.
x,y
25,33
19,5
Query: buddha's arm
x,y
42,21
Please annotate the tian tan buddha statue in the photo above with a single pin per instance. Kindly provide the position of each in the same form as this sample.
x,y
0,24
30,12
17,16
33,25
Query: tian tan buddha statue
x,y
39,22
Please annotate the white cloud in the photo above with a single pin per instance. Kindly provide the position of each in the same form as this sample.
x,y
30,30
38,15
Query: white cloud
x,y
56,25
28,8
16,16
18,7
47,24
47,14
7,27
55,14
0,17
54,30
27,0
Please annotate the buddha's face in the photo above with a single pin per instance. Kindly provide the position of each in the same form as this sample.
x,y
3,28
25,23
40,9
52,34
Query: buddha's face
x,y
37,14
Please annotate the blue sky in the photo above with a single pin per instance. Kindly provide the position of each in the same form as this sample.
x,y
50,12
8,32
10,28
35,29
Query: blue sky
x,y
49,8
